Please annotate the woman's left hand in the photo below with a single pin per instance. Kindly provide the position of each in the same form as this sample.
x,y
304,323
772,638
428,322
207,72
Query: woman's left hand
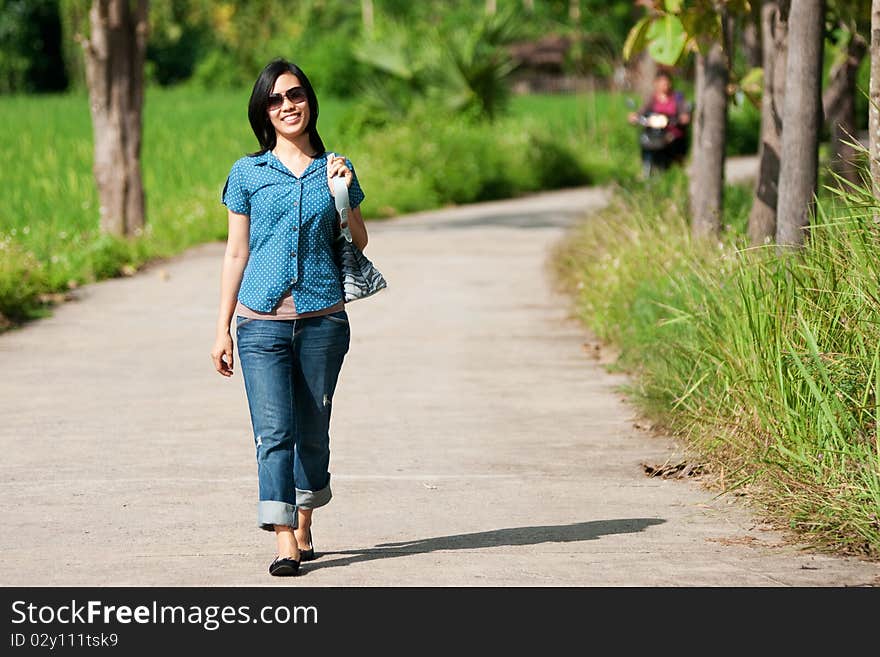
x,y
337,167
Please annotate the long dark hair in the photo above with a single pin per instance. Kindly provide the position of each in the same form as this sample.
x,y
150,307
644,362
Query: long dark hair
x,y
258,106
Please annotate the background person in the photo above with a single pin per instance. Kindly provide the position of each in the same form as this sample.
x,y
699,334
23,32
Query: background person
x,y
664,99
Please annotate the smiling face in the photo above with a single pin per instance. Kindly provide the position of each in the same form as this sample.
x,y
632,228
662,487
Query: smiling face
x,y
291,117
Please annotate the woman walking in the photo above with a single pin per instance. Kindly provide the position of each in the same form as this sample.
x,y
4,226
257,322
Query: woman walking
x,y
281,281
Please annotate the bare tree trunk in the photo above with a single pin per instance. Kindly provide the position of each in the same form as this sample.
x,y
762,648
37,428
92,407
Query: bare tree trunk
x,y
774,37
874,104
710,138
367,15
839,106
697,120
574,10
803,119
114,58
491,7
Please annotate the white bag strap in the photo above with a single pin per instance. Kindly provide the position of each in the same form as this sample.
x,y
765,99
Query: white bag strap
x,y
340,195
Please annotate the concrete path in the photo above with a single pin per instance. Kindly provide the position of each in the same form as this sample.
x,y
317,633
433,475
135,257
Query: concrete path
x,y
474,440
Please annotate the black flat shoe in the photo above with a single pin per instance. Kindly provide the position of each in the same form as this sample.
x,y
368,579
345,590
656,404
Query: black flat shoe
x,y
284,567
308,555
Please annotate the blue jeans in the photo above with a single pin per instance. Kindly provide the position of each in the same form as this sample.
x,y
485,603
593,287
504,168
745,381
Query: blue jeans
x,y
290,370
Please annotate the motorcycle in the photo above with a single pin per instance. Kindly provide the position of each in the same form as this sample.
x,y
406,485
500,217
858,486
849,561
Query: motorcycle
x,y
656,142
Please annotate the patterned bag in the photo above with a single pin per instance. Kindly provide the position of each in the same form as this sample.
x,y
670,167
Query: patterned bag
x,y
360,278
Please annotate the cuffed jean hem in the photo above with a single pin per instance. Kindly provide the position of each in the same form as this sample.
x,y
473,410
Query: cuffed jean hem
x,y
271,513
312,499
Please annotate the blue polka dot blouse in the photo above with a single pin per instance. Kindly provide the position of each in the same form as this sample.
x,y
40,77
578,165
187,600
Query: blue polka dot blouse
x,y
293,224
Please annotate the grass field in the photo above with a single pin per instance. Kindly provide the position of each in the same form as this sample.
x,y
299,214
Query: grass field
x,y
49,216
49,198
190,140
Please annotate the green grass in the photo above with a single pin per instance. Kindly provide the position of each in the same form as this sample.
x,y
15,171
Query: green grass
x,y
49,216
50,204
595,124
767,366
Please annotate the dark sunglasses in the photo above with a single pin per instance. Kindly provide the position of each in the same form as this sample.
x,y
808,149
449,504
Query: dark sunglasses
x,y
294,95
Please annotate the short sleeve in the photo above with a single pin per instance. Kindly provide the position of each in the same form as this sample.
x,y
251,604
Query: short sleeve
x,y
235,195
355,193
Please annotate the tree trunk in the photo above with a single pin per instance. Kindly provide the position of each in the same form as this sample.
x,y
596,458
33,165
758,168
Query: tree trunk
x,y
114,58
710,138
696,127
774,37
874,101
839,105
642,74
803,118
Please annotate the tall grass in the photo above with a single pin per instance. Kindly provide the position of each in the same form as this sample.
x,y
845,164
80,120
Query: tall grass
x,y
767,365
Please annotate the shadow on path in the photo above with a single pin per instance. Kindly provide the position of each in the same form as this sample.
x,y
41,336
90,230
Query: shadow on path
x,y
581,531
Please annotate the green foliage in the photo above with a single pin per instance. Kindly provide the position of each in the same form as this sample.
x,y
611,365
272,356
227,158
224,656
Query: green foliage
x,y
395,76
318,37
767,366
433,158
432,161
668,33
176,42
743,128
666,39
596,40
637,39
30,46
456,69
220,68
477,64
676,28
225,42
330,64
752,85
22,280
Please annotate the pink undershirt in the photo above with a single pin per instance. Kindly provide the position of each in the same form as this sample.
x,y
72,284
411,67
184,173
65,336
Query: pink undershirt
x,y
285,309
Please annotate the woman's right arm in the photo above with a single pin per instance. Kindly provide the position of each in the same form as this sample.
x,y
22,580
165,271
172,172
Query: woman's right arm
x,y
235,260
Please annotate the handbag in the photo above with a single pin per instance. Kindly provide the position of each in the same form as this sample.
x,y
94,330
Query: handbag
x,y
360,278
